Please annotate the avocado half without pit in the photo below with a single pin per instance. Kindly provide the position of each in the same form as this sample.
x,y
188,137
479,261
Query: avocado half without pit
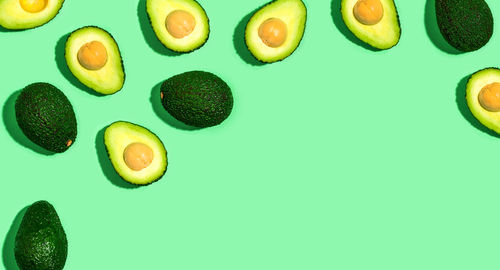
x,y
374,22
275,31
93,56
26,14
136,153
180,25
483,97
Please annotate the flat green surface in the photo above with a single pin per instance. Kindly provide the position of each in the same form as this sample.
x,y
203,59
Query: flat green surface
x,y
336,158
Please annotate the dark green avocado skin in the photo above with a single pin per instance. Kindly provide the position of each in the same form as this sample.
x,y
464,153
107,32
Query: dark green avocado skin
x,y
41,242
467,25
197,98
46,117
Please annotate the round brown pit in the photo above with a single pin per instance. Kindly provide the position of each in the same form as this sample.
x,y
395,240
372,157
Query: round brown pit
x,y
273,32
489,97
138,156
180,23
93,55
33,6
368,12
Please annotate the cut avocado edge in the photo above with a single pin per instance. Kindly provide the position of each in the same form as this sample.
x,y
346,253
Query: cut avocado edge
x,y
75,68
178,49
295,43
5,17
355,27
476,82
117,166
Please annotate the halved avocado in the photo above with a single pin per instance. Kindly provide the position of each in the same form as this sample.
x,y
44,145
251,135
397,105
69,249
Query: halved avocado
x,y
93,56
483,97
375,22
275,31
180,25
136,153
26,14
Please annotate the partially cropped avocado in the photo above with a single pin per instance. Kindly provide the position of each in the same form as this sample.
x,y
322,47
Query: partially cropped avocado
x,y
467,25
275,31
26,14
46,117
41,242
375,22
136,153
197,98
180,25
483,97
93,56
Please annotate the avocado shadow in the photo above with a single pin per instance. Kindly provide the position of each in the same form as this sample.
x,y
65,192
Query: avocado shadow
x,y
339,23
432,29
63,67
163,114
465,111
10,123
239,41
148,33
5,30
8,257
106,166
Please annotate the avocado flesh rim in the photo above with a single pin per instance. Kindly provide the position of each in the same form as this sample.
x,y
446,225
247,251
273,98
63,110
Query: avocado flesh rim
x,y
474,86
14,17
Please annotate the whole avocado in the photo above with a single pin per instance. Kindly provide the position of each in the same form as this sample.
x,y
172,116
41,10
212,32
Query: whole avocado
x,y
41,242
197,98
467,25
46,117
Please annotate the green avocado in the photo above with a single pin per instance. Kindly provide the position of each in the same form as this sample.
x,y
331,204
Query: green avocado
x,y
197,98
483,97
375,22
27,14
41,242
93,56
180,25
136,153
275,31
46,117
467,25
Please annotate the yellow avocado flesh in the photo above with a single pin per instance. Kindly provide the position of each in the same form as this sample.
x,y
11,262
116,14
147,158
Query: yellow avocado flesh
x,y
368,12
102,73
180,25
26,14
482,88
136,154
275,31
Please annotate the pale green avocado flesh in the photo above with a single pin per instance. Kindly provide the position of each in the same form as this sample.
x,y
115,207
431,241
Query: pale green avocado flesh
x,y
475,84
121,134
292,13
383,35
158,10
14,17
107,80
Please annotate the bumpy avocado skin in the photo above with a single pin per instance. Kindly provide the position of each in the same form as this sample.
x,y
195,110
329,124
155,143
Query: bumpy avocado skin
x,y
467,25
197,98
41,242
46,117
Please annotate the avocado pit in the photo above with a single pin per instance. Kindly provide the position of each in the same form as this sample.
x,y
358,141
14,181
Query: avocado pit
x,y
33,6
137,156
273,32
489,97
93,55
180,23
368,12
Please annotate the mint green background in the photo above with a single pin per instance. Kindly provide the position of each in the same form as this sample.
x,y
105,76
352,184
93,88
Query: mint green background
x,y
336,158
